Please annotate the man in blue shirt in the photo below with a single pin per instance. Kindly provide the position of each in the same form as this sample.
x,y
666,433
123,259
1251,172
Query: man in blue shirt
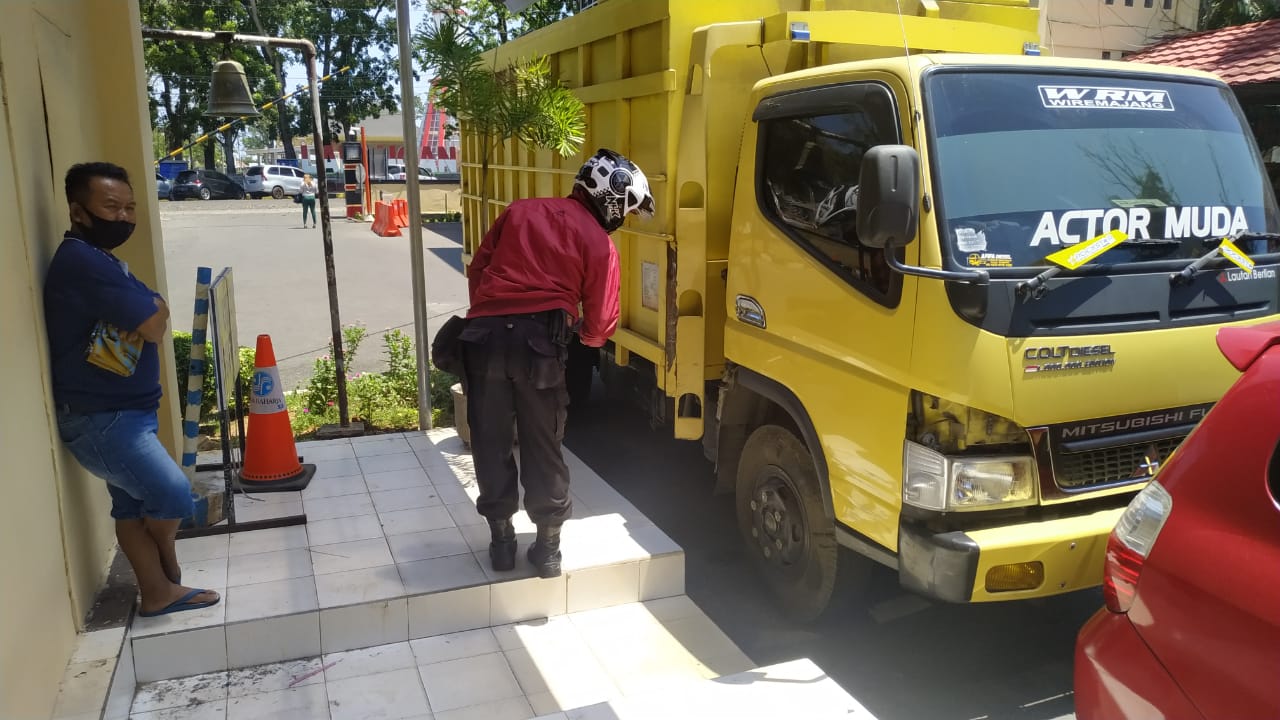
x,y
107,410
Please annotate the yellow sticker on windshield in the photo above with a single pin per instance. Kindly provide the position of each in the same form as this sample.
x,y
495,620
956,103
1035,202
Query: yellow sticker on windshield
x,y
1086,252
1236,255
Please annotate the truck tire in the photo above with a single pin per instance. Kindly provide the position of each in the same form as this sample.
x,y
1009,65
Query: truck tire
x,y
787,535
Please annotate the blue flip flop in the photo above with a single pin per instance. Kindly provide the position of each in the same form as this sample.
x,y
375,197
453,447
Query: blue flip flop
x,y
182,604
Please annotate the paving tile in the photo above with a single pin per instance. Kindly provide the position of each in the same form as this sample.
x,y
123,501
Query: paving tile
x,y
662,577
336,468
208,547
252,511
341,557
269,566
208,687
381,447
527,599
672,608
701,637
98,645
399,522
308,702
406,498
396,479
216,710
251,496
551,632
387,463
452,493
337,507
345,529
448,473
274,677
523,568
123,686
449,611
443,573
180,654
317,452
411,547
375,437
454,646
273,640
334,487
359,586
464,513
470,681
392,695
267,540
210,574
271,599
84,687
208,617
364,625
368,661
509,709
603,586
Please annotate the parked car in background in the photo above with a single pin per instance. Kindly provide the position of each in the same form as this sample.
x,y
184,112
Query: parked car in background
x,y
274,180
396,171
162,187
206,185
1191,627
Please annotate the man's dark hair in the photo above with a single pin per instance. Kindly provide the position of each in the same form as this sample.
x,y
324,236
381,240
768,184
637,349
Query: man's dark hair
x,y
78,177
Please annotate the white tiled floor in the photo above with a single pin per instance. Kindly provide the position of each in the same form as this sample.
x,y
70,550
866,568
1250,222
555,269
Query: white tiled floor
x,y
513,671
393,549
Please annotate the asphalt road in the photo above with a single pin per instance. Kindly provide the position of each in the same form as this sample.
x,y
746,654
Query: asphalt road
x,y
903,657
279,276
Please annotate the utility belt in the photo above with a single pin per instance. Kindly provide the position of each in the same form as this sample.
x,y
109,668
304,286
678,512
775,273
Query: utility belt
x,y
560,325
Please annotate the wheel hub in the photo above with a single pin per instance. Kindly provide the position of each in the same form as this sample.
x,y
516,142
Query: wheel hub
x,y
778,525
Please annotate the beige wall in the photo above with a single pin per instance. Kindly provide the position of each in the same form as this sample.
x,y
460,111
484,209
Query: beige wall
x,y
72,84
1088,28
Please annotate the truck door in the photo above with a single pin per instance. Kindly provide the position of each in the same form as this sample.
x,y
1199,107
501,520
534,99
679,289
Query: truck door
x,y
811,308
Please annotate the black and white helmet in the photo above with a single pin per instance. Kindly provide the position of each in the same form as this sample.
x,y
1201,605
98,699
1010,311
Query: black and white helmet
x,y
616,187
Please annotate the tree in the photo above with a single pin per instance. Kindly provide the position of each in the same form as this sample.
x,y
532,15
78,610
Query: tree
x,y
492,24
345,32
180,71
1215,14
523,102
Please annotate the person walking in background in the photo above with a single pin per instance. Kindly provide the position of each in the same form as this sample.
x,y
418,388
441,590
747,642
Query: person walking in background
x,y
308,199
104,326
542,258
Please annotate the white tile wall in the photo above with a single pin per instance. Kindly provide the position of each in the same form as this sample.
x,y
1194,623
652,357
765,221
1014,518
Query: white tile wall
x,y
363,625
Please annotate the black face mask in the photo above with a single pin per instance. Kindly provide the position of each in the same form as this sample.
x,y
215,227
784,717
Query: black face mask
x,y
106,234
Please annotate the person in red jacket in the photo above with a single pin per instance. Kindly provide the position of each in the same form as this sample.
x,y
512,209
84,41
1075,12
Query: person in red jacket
x,y
541,260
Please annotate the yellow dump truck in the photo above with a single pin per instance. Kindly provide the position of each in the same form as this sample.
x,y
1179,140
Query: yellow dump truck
x,y
847,291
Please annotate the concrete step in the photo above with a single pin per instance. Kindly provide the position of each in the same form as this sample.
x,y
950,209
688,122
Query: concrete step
x,y
392,550
509,672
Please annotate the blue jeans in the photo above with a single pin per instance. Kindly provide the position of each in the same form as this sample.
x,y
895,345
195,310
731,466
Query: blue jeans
x,y
122,448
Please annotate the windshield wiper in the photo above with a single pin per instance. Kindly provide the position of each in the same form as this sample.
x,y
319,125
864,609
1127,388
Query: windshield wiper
x,y
1036,287
1188,273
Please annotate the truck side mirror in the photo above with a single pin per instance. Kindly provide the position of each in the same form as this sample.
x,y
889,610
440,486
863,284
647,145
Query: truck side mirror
x,y
888,196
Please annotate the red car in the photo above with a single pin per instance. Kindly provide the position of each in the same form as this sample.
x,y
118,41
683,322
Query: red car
x,y
1192,584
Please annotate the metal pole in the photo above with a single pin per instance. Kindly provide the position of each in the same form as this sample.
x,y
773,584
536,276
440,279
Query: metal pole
x,y
326,231
408,113
309,54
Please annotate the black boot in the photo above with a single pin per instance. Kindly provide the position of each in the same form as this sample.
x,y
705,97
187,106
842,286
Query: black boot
x,y
544,553
502,544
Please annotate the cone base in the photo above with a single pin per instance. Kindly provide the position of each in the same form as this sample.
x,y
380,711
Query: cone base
x,y
298,481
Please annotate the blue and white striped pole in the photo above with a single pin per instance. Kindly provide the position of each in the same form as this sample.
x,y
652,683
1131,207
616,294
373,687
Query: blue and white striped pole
x,y
195,372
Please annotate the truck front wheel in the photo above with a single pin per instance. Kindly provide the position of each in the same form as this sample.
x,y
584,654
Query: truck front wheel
x,y
780,515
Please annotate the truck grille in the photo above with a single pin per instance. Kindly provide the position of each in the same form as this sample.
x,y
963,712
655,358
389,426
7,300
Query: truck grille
x,y
1104,466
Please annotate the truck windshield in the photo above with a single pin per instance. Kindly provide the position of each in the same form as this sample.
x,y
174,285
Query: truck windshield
x,y
1026,163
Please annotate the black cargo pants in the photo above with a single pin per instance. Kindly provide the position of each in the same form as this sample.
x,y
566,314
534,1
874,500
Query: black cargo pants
x,y
515,383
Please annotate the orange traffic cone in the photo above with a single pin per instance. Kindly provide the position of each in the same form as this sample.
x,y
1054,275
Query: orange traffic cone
x,y
270,456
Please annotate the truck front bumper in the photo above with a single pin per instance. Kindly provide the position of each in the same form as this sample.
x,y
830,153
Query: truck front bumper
x,y
954,566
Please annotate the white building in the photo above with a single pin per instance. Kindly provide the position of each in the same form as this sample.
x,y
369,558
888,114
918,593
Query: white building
x,y
1111,29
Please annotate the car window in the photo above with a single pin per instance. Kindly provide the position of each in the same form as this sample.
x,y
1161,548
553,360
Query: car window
x,y
253,171
809,178
187,176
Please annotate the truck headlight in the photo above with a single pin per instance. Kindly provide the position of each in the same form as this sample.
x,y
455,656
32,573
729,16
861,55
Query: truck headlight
x,y
934,481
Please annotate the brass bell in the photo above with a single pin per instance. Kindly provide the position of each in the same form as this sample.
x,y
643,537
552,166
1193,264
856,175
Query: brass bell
x,y
229,92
